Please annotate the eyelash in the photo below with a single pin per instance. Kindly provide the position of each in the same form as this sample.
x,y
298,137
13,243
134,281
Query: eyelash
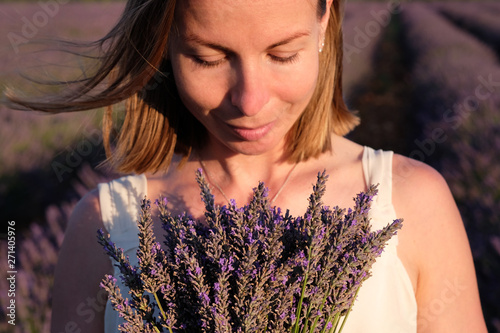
x,y
210,64
287,60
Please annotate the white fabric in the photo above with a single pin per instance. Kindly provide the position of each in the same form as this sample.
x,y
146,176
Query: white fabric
x,y
386,301
120,201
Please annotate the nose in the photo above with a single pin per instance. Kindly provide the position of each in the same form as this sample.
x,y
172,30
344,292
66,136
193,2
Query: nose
x,y
249,92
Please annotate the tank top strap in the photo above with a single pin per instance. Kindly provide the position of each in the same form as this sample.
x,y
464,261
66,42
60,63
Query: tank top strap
x,y
120,200
377,168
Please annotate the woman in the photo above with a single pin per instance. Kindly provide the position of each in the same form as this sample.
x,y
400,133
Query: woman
x,y
250,91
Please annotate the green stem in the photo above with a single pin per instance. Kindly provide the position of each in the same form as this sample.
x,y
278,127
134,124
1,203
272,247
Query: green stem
x,y
349,311
299,305
306,325
315,323
323,304
159,306
335,323
327,321
302,292
164,315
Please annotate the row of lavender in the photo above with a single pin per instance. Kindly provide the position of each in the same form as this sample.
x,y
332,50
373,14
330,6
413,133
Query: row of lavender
x,y
28,34
457,87
37,148
36,257
30,287
481,20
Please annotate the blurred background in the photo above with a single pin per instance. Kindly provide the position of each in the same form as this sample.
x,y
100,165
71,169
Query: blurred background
x,y
424,77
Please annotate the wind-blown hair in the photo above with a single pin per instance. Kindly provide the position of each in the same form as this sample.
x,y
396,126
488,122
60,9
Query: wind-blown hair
x,y
133,67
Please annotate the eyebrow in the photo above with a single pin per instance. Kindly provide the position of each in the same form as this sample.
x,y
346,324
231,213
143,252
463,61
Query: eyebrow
x,y
197,39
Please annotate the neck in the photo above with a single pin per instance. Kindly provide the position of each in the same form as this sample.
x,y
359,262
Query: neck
x,y
235,175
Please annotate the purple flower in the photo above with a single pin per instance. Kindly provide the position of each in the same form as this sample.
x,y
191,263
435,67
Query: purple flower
x,y
204,298
209,275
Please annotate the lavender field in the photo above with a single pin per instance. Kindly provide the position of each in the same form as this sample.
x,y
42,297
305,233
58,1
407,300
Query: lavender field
x,y
424,77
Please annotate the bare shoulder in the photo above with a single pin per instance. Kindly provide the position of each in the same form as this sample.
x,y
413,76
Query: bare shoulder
x,y
87,212
84,222
434,247
423,199
412,176
78,300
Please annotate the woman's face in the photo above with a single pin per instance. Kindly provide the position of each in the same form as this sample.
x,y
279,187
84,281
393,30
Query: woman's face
x,y
246,69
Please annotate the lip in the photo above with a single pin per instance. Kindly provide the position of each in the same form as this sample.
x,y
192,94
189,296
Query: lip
x,y
252,134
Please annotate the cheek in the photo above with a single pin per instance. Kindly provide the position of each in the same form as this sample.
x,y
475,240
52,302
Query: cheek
x,y
298,86
198,93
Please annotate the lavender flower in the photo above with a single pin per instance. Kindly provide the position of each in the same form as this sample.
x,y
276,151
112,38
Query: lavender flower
x,y
250,268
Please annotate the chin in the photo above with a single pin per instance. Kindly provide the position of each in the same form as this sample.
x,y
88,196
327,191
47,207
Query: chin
x,y
254,148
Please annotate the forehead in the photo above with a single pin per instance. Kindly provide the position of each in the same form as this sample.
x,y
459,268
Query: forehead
x,y
233,17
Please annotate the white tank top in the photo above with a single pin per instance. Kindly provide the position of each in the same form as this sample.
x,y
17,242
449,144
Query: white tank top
x,y
386,301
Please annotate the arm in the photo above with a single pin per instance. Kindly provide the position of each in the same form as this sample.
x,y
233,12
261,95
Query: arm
x,y
78,301
436,246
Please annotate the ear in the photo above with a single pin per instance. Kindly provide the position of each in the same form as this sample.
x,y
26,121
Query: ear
x,y
326,17
323,22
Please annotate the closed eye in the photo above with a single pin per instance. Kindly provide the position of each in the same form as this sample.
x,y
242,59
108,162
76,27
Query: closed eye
x,y
208,64
285,60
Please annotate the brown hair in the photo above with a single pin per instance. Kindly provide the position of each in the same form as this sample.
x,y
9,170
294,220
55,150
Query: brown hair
x,y
134,68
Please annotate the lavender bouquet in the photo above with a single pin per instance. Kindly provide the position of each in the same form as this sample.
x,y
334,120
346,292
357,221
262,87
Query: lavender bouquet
x,y
248,269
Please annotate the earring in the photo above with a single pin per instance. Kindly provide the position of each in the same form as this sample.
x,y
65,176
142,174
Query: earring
x,y
322,45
